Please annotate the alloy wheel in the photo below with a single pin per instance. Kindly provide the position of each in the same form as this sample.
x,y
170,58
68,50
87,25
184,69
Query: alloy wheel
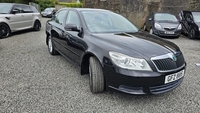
x,y
151,31
4,30
50,45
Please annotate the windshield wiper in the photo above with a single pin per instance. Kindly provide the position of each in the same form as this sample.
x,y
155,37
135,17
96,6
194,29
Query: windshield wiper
x,y
3,13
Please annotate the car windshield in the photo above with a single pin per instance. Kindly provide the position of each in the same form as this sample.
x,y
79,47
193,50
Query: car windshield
x,y
165,17
196,17
107,22
48,10
5,8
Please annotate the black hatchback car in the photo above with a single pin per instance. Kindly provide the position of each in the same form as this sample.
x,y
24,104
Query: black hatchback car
x,y
190,21
114,52
163,24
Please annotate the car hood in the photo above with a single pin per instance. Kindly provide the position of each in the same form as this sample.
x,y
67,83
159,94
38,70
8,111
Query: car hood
x,y
142,44
4,15
46,12
168,23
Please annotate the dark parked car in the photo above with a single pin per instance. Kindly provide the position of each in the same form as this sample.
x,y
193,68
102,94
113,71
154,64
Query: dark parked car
x,y
163,24
190,23
114,53
48,12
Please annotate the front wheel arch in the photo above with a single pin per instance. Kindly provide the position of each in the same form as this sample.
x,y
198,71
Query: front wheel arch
x,y
9,30
85,66
85,62
96,76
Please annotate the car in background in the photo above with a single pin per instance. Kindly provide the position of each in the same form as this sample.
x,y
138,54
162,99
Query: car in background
x,y
114,52
16,17
190,21
163,24
48,12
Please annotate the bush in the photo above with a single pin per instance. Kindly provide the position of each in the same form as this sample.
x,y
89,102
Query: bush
x,y
75,5
46,3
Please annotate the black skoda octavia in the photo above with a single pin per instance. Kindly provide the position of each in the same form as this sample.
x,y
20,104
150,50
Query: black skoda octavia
x,y
114,52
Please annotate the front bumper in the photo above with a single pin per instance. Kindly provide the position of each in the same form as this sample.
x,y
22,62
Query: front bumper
x,y
126,81
171,33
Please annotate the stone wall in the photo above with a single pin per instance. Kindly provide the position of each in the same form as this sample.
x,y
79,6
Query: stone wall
x,y
138,10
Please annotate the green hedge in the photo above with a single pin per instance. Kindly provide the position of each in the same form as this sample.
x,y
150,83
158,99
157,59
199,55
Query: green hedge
x,y
46,3
78,5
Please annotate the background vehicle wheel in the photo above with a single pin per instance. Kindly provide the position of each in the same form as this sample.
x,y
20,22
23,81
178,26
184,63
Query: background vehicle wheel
x,y
51,49
4,30
96,76
145,27
151,31
191,34
37,25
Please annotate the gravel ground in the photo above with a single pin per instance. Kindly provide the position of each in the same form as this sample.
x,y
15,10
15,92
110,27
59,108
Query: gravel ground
x,y
31,80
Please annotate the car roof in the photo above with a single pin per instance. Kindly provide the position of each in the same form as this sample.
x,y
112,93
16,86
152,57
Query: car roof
x,y
86,9
163,13
15,4
195,12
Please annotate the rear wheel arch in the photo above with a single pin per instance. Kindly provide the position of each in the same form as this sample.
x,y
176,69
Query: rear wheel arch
x,y
35,27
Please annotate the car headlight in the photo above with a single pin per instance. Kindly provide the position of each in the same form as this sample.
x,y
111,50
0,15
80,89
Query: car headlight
x,y
158,26
179,27
199,29
128,62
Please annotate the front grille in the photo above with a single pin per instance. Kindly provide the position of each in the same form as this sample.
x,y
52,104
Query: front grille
x,y
167,63
166,87
169,29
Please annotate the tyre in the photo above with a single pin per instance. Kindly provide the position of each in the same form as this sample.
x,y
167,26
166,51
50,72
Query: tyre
x,y
151,31
4,30
51,48
37,25
145,27
97,84
191,34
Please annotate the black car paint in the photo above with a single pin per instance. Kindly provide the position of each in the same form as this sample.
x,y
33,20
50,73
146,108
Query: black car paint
x,y
150,21
188,23
78,48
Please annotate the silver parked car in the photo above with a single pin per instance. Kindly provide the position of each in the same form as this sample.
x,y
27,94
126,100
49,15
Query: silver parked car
x,y
16,17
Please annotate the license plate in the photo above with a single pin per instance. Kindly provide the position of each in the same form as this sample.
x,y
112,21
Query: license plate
x,y
169,32
174,77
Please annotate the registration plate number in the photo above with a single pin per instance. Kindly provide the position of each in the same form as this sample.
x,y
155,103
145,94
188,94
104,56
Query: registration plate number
x,y
169,32
174,77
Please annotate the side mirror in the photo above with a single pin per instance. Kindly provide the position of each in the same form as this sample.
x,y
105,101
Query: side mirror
x,y
54,12
53,17
15,11
72,27
190,21
150,19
